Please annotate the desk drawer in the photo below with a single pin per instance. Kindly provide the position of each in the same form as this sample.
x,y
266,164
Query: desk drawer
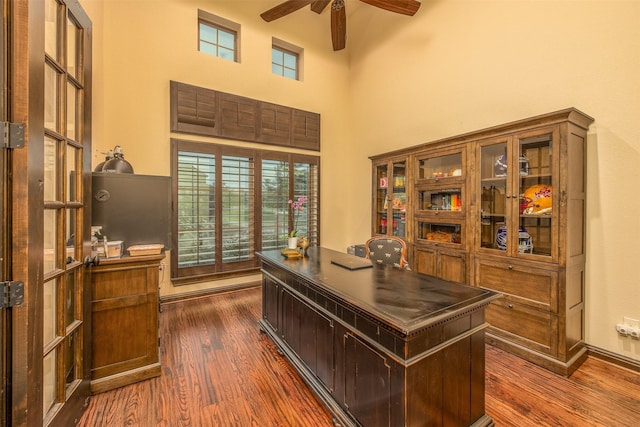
x,y
526,285
521,324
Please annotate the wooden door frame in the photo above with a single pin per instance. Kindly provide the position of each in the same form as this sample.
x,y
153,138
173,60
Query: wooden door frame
x,y
26,408
5,359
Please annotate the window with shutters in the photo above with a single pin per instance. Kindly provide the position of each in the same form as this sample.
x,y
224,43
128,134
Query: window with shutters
x,y
232,202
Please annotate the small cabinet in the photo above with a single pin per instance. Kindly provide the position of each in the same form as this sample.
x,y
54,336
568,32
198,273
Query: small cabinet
x,y
390,198
124,310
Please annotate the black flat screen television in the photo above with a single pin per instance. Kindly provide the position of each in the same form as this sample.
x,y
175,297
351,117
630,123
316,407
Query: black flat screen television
x,y
133,208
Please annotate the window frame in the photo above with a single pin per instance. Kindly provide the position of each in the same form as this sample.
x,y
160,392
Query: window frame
x,y
220,269
219,24
291,49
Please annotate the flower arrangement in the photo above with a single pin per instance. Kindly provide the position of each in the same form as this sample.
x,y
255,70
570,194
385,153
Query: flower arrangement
x,y
295,207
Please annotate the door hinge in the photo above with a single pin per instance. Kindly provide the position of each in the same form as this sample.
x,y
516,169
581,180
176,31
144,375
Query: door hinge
x,y
12,294
12,135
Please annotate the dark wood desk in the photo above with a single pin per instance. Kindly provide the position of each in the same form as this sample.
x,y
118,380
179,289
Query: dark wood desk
x,y
379,346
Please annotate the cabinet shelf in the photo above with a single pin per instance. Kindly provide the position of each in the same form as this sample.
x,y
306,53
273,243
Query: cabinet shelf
x,y
494,179
536,176
539,216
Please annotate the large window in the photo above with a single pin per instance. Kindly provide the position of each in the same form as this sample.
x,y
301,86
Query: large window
x,y
232,202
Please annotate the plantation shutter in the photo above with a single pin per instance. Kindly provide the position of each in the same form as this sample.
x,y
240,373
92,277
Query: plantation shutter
x,y
306,185
196,209
237,209
275,203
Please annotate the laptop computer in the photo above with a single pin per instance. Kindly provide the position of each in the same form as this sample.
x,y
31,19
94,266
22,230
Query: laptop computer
x,y
352,262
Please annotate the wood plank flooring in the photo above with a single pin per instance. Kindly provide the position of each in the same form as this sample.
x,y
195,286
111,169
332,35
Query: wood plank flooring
x,y
219,370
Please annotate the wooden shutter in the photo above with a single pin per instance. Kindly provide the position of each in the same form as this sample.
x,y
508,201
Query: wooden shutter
x,y
193,110
200,111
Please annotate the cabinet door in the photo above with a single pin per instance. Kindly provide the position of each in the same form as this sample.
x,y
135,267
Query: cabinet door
x,y
517,175
493,165
367,383
537,188
310,334
270,309
451,266
390,198
439,166
446,265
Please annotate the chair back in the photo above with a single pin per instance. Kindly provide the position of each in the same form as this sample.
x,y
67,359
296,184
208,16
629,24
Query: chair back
x,y
389,250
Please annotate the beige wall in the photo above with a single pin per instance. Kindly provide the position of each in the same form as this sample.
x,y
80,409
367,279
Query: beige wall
x,y
456,66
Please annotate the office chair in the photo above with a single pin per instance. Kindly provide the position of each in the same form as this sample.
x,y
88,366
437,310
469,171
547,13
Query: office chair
x,y
389,250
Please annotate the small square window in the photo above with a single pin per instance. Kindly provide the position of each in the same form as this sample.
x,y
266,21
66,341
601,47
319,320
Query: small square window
x,y
284,63
286,60
217,36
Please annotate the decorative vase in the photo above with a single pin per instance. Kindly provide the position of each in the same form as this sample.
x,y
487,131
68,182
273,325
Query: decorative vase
x,y
292,242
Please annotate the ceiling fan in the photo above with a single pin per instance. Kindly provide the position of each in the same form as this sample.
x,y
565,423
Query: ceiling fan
x,y
338,14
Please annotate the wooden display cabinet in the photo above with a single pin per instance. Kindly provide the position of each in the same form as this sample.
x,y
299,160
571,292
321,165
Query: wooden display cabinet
x,y
503,208
125,308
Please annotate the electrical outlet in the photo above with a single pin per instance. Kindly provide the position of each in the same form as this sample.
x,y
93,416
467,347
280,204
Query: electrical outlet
x,y
622,329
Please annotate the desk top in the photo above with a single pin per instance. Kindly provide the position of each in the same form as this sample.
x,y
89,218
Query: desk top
x,y
405,300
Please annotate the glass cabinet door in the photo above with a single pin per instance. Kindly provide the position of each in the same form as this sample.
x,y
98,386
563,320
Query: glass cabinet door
x,y
439,167
535,190
493,195
381,203
390,199
398,199
516,210
446,199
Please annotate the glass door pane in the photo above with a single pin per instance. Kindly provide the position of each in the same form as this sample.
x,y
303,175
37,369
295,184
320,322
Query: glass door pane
x,y
536,195
399,199
439,167
493,190
448,199
51,36
381,202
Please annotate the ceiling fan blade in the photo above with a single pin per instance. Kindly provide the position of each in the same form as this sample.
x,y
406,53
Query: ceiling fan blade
x,y
284,9
318,5
404,7
338,25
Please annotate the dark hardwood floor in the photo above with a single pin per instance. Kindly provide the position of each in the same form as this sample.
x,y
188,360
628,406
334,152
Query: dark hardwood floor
x,y
219,370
